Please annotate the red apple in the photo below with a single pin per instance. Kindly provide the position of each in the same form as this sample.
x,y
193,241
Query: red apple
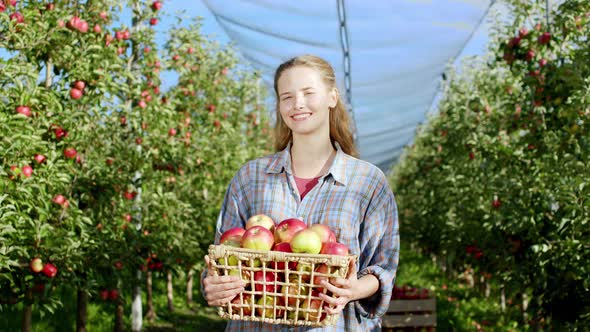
x,y
126,34
324,269
60,133
232,237
142,103
258,238
36,265
75,93
172,132
104,294
2,7
39,158
243,305
268,278
24,110
211,108
27,171
261,220
156,5
153,21
59,199
97,28
284,247
49,270
306,241
73,23
118,265
17,17
325,233
70,153
138,141
80,85
113,294
334,248
104,15
311,309
83,26
544,38
285,231
292,292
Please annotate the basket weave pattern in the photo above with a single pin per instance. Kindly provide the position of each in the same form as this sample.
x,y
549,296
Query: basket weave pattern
x,y
288,286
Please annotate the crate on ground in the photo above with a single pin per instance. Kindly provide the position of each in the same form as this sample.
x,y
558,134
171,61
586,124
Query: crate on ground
x,y
410,309
282,287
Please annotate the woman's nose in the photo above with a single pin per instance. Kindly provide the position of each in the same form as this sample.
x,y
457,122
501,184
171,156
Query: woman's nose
x,y
299,102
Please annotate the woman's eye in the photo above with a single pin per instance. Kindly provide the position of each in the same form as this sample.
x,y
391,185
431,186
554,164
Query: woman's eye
x,y
286,98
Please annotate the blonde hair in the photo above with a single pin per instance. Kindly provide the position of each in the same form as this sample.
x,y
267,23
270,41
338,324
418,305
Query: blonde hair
x,y
339,120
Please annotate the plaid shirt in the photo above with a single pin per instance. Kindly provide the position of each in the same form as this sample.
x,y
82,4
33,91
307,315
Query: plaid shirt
x,y
354,199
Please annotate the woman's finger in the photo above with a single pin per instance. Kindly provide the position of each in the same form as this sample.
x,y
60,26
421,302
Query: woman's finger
x,y
225,286
333,311
223,301
345,292
218,295
329,300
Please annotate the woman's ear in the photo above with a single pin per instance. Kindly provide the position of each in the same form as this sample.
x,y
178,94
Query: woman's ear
x,y
333,97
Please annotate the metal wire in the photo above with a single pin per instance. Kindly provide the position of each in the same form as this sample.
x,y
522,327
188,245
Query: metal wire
x,y
345,43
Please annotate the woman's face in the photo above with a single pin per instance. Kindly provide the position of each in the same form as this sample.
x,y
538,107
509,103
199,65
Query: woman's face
x,y
305,101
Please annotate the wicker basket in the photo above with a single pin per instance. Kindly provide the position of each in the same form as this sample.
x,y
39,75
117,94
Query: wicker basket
x,y
287,286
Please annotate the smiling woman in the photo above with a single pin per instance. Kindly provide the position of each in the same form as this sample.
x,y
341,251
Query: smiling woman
x,y
316,177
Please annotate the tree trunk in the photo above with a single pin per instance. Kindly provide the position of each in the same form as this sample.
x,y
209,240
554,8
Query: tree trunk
x,y
151,314
27,312
119,315
82,310
488,290
136,307
189,288
170,291
502,298
525,307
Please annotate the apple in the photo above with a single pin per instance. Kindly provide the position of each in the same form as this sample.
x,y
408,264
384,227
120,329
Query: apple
x,y
312,310
49,270
284,247
244,306
2,7
325,233
172,132
261,220
153,21
285,230
544,38
334,248
17,17
142,104
73,23
104,15
59,199
138,141
39,158
244,276
324,269
80,85
97,28
211,108
118,265
113,294
60,133
126,34
119,35
104,294
76,93
156,5
83,26
70,153
24,110
232,237
267,303
27,171
268,278
292,292
258,238
304,270
36,265
306,241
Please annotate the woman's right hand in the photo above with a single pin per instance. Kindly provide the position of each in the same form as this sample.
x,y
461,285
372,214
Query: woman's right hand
x,y
220,290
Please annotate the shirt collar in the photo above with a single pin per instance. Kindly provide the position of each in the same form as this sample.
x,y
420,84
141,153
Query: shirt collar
x,y
281,161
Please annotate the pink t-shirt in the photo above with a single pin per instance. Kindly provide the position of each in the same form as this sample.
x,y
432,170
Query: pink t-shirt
x,y
305,185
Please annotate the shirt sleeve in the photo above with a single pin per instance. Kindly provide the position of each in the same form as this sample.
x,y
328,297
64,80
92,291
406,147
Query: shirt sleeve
x,y
379,252
232,214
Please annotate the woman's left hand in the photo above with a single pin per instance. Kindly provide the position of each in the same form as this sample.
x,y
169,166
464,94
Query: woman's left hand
x,y
343,291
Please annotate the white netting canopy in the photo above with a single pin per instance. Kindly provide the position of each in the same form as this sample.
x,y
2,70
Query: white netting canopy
x,y
397,52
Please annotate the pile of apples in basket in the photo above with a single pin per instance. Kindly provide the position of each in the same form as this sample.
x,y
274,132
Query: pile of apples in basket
x,y
283,266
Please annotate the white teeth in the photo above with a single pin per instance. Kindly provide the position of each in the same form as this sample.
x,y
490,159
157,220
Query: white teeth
x,y
301,116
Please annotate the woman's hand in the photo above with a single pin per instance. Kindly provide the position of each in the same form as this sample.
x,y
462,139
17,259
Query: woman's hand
x,y
220,290
343,291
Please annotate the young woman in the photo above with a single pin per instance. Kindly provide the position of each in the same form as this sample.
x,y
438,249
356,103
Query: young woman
x,y
315,176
